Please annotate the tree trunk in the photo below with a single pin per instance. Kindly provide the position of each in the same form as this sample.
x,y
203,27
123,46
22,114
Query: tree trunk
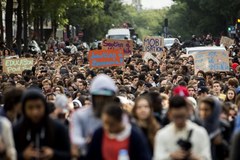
x,y
41,29
9,24
25,23
41,21
1,22
19,26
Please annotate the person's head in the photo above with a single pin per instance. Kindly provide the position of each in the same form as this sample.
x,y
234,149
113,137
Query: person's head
x,y
103,91
112,118
238,101
233,83
143,108
201,74
51,97
191,91
47,85
141,85
231,95
178,111
135,80
165,100
217,87
12,102
34,106
58,90
202,92
82,85
206,108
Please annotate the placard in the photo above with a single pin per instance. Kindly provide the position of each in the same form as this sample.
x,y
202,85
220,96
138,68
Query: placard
x,y
17,66
147,56
153,44
106,58
226,41
125,45
211,61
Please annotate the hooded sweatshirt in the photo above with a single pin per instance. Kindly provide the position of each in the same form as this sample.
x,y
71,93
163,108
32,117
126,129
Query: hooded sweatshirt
x,y
46,133
212,123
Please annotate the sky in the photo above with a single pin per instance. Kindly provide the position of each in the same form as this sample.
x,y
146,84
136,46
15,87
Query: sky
x,y
153,4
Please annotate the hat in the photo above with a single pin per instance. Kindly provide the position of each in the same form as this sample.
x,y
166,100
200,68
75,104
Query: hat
x,y
61,101
201,83
193,102
234,66
103,85
180,91
202,89
77,102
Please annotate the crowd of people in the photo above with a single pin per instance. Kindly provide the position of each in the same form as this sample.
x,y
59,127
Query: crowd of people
x,y
63,109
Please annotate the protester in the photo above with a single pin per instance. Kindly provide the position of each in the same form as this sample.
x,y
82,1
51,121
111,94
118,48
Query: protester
x,y
181,139
231,96
7,148
85,121
209,113
116,135
63,75
143,113
12,104
37,136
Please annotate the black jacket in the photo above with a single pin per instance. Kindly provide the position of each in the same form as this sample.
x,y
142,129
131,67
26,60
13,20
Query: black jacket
x,y
138,148
53,135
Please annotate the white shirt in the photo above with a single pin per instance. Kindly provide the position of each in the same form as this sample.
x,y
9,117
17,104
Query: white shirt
x,y
166,141
6,136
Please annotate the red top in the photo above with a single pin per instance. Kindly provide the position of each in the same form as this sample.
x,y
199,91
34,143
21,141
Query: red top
x,y
111,147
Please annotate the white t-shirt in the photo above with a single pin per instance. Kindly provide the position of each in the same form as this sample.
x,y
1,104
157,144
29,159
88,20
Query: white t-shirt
x,y
166,141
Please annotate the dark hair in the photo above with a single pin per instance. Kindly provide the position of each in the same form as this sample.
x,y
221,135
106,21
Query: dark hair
x,y
209,101
114,110
34,94
177,102
140,83
11,98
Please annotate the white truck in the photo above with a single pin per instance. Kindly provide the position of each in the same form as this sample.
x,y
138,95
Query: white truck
x,y
118,34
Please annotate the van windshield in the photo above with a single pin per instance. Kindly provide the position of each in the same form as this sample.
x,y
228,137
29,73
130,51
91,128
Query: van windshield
x,y
118,37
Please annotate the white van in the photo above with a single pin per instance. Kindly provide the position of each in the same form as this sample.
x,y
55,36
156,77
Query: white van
x,y
193,50
118,34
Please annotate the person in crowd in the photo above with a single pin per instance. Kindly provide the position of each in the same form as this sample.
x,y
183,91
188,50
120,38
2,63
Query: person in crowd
x,y
116,135
143,113
37,136
217,91
51,97
191,91
181,139
84,122
202,92
7,147
12,104
231,96
47,86
235,154
209,113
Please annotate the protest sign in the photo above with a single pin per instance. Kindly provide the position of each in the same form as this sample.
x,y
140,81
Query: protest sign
x,y
153,44
211,61
227,42
106,58
125,45
17,66
147,56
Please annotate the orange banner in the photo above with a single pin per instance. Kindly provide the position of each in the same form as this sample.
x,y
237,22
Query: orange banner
x,y
106,58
